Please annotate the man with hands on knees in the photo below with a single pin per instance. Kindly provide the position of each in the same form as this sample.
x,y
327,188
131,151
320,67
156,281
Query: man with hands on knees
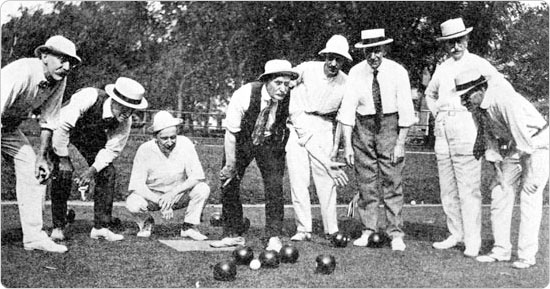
x,y
376,113
34,85
514,137
97,122
166,176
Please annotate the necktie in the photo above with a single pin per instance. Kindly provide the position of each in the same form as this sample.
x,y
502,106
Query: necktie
x,y
260,125
377,99
479,145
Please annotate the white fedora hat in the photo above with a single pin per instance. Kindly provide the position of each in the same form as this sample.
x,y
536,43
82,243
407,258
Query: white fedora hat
x,y
467,80
278,66
60,45
162,120
337,44
373,37
127,92
453,28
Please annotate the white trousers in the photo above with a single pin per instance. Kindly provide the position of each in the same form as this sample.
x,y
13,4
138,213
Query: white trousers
x,y
502,204
30,193
301,167
459,176
194,200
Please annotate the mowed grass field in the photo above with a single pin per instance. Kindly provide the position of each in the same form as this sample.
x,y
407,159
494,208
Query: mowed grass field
x,y
421,183
147,263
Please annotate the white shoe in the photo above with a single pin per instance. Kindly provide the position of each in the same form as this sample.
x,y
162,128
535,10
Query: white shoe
x,y
106,234
301,236
492,257
446,244
363,241
274,244
193,234
46,245
397,244
57,234
228,242
145,230
522,264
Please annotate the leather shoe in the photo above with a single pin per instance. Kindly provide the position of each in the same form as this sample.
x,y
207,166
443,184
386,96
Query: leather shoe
x,y
106,234
46,245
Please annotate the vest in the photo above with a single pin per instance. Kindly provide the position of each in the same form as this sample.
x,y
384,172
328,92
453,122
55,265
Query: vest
x,y
89,130
279,131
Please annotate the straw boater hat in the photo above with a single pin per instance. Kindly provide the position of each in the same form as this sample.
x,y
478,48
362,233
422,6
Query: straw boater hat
x,y
59,45
127,92
468,80
453,28
337,44
163,119
278,66
373,37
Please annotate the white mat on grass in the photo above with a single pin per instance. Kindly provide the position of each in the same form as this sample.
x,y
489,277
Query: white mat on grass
x,y
188,245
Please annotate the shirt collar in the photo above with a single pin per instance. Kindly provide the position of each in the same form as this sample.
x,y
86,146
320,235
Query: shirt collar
x,y
107,112
380,68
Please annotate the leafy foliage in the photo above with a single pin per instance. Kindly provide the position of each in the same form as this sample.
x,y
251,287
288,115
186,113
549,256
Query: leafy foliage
x,y
189,54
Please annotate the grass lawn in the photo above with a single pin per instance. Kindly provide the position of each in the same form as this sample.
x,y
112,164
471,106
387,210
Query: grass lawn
x,y
146,263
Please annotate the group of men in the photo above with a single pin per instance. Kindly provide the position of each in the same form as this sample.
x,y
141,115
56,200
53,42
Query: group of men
x,y
295,116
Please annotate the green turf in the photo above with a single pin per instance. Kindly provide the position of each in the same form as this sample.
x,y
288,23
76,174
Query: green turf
x,y
146,263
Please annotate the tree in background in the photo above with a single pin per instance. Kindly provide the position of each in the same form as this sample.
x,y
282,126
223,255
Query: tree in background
x,y
192,55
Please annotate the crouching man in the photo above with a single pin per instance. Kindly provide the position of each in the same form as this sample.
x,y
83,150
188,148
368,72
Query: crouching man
x,y
166,176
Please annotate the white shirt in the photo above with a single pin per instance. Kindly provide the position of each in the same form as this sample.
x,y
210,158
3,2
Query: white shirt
x,y
395,92
315,93
440,95
154,171
79,103
513,118
24,89
239,103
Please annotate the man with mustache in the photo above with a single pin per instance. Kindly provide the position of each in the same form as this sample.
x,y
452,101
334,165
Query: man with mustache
x,y
34,85
256,130
458,165
166,176
313,106
97,122
376,113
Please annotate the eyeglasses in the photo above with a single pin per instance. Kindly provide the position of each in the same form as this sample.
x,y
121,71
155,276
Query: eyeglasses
x,y
454,41
375,50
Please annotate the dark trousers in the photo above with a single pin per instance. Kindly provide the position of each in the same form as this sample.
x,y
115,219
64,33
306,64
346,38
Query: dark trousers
x,y
103,193
379,180
270,159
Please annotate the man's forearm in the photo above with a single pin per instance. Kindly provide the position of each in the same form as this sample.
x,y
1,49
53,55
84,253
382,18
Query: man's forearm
x,y
45,142
402,137
230,141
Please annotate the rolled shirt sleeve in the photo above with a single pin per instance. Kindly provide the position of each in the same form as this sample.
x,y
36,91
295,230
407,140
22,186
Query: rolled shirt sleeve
x,y
238,105
116,141
79,103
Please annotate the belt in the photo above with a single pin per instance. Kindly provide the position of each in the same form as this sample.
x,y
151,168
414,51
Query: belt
x,y
451,112
369,116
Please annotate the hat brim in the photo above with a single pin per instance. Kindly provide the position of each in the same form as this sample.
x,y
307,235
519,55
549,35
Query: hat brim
x,y
463,91
346,55
174,122
456,35
43,48
109,89
293,74
383,42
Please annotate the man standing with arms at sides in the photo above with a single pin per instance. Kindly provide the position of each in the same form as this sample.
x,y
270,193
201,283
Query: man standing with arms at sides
x,y
313,106
455,135
30,85
256,129
506,117
97,122
376,113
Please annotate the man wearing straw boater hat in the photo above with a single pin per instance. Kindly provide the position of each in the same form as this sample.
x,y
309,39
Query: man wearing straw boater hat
x,y
97,122
506,117
256,129
34,85
376,113
455,131
313,106
166,176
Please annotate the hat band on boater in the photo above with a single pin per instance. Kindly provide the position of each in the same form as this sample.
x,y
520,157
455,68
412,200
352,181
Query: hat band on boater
x,y
126,99
472,83
373,40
